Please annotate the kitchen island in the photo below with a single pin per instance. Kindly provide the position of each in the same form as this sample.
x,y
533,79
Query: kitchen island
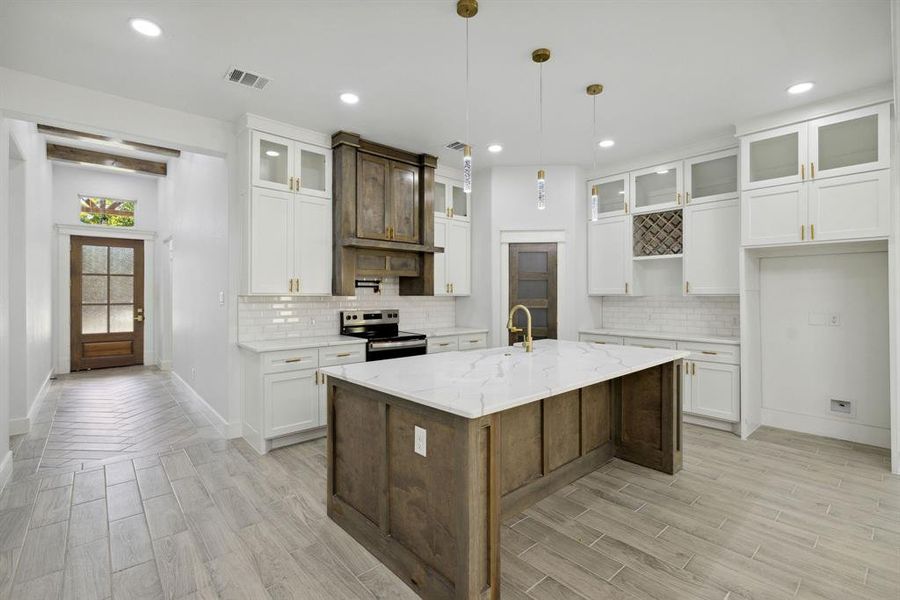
x,y
427,454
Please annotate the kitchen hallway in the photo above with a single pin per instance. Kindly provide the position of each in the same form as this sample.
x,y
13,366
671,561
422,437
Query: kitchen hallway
x,y
189,514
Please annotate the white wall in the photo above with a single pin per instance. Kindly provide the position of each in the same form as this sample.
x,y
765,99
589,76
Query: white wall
x,y
70,181
5,227
31,274
806,361
194,215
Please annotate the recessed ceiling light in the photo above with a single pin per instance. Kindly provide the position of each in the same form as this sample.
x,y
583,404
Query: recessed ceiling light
x,y
273,153
800,88
662,171
349,98
606,143
495,148
621,192
146,27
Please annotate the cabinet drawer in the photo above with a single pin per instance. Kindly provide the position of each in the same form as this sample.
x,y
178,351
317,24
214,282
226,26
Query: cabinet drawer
x,y
597,338
650,343
290,360
721,353
443,344
342,355
473,341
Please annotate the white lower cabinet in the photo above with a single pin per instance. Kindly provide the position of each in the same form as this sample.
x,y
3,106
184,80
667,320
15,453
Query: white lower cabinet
x,y
291,402
449,343
712,390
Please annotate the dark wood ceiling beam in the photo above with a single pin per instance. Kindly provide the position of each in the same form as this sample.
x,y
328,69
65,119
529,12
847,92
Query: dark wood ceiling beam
x,y
80,155
81,135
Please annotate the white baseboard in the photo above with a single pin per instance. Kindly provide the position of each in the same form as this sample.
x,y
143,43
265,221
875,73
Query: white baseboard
x,y
711,423
165,365
6,469
20,425
225,429
841,430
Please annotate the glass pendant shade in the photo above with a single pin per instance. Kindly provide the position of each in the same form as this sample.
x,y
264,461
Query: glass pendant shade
x,y
595,202
467,170
541,191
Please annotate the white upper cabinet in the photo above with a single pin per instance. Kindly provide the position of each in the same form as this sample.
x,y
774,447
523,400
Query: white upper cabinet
x,y
441,283
774,157
851,142
286,165
609,256
711,178
774,215
657,188
453,233
450,200
711,248
853,206
312,245
611,197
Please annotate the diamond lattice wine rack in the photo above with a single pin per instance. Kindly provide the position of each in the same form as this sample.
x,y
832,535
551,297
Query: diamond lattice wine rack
x,y
658,233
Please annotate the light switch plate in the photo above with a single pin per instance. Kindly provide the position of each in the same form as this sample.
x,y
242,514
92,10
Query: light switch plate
x,y
834,320
420,443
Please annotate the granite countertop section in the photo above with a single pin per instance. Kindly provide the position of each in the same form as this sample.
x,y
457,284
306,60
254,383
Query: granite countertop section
x,y
681,337
441,331
480,382
299,343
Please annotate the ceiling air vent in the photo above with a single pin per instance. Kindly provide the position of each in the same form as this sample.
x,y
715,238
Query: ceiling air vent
x,y
456,145
254,80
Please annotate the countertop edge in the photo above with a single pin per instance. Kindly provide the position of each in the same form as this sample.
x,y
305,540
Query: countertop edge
x,y
688,337
259,347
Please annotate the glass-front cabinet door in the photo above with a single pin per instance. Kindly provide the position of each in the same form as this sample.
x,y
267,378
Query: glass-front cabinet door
x,y
711,177
459,207
608,196
450,200
312,170
851,142
774,157
272,162
441,207
657,188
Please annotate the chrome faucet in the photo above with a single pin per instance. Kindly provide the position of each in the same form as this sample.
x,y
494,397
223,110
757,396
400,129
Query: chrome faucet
x,y
529,341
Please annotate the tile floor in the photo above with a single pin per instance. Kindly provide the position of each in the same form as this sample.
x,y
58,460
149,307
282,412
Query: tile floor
x,y
123,489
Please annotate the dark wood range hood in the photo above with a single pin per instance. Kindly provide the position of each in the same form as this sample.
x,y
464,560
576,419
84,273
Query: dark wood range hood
x,y
383,215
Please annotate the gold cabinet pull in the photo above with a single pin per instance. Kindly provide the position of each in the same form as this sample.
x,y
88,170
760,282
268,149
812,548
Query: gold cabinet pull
x,y
451,212
451,288
293,360
802,171
678,198
626,287
812,231
626,207
708,352
687,197
442,344
687,287
344,354
802,232
290,285
599,342
812,170
474,341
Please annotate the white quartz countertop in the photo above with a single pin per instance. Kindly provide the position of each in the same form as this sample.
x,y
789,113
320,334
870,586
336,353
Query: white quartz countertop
x,y
660,335
300,343
480,382
442,331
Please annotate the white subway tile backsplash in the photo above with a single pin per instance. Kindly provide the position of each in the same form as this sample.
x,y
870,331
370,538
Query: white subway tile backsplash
x,y
701,315
277,317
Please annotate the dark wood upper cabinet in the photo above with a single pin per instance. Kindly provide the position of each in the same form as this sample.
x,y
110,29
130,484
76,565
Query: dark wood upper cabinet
x,y
383,207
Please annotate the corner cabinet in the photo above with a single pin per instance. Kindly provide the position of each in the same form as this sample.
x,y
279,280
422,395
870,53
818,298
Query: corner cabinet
x,y
453,233
822,180
288,229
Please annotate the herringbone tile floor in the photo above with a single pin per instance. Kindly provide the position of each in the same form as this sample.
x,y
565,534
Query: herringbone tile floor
x,y
124,490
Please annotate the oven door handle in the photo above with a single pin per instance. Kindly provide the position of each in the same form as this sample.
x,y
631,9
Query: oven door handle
x,y
391,345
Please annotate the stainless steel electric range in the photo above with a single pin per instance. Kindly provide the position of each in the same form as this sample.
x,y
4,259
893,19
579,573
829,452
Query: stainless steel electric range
x,y
382,330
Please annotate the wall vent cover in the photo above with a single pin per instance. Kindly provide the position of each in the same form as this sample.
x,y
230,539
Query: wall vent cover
x,y
456,145
247,78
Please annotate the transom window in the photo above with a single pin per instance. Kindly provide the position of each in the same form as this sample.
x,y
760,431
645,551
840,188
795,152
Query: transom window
x,y
107,211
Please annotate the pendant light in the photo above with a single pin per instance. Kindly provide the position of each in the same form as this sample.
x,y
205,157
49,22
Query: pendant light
x,y
594,90
540,56
467,9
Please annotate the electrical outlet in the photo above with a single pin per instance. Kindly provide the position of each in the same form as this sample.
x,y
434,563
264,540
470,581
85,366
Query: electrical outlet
x,y
420,443
834,320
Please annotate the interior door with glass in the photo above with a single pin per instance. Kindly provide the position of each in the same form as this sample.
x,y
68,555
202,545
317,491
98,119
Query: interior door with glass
x,y
775,157
273,162
107,303
532,283
851,142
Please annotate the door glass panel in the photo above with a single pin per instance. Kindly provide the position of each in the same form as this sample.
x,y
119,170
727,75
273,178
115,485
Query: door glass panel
x,y
611,196
532,262
656,188
93,289
538,318
93,259
93,319
312,170
853,142
712,177
532,289
273,162
440,198
121,290
460,202
121,261
121,318
775,157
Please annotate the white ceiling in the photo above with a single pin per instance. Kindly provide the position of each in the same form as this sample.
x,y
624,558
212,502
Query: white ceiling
x,y
675,71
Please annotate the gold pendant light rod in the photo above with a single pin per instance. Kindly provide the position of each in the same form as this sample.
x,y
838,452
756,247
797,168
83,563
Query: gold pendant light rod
x,y
467,9
540,56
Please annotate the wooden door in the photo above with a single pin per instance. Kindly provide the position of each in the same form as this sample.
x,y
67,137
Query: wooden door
x,y
532,283
404,205
107,303
372,197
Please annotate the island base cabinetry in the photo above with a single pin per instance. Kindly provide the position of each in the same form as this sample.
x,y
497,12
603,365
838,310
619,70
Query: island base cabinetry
x,y
425,490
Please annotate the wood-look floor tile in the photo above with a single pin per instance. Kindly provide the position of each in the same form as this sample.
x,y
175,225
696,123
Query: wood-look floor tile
x,y
19,494
54,481
576,578
384,585
164,516
51,506
235,578
88,522
119,472
89,485
13,525
578,553
87,575
44,552
191,494
140,582
237,510
129,542
123,500
152,482
180,562
661,549
550,589
47,587
177,465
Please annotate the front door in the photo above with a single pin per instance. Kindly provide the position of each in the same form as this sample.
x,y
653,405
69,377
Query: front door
x,y
107,302
532,283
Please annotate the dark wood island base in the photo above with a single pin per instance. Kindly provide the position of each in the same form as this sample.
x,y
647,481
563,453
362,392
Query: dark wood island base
x,y
434,520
